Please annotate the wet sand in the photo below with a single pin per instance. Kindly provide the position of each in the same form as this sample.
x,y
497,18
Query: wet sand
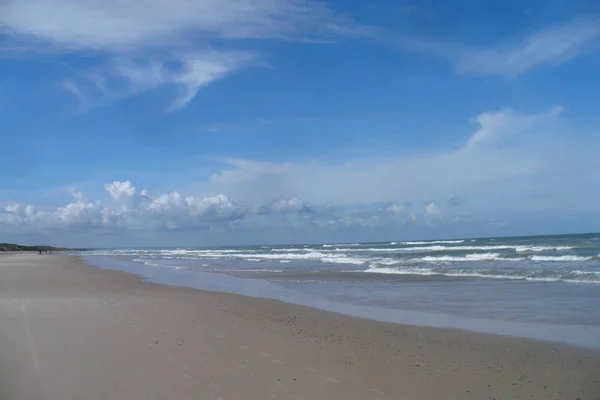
x,y
70,331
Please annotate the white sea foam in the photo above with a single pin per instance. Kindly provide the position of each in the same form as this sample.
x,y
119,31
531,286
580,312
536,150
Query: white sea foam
x,y
313,255
542,248
397,271
577,272
389,261
262,270
474,274
468,257
292,250
440,248
345,260
560,258
432,272
559,279
434,242
201,252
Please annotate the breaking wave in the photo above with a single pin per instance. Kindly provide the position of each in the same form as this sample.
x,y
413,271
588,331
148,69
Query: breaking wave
x,y
592,276
431,242
560,258
468,257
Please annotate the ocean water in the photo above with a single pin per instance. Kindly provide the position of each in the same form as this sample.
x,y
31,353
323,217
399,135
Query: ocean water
x,y
521,285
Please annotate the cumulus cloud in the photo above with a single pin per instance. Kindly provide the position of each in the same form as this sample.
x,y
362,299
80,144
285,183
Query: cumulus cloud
x,y
120,190
512,164
133,211
129,210
553,45
432,209
397,208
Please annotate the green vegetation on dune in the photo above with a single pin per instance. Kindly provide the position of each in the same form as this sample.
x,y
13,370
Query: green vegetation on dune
x,y
17,247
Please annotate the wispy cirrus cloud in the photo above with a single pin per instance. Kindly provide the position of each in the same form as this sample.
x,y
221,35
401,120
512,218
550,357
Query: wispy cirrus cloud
x,y
553,46
126,24
137,40
123,77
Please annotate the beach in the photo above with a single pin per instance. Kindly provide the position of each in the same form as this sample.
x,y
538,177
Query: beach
x,y
72,331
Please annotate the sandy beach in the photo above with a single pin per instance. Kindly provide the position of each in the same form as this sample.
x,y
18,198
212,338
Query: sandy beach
x,y
70,331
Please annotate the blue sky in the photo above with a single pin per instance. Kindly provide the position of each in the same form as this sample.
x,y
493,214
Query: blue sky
x,y
154,122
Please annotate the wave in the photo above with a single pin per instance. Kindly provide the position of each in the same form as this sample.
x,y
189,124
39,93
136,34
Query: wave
x,y
262,270
560,258
191,251
478,274
425,249
542,248
345,260
292,250
313,255
434,272
577,272
468,257
432,242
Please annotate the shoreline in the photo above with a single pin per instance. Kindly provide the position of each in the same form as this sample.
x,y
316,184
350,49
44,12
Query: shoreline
x,y
95,333
582,336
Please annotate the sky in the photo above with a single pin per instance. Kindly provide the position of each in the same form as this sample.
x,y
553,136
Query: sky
x,y
130,123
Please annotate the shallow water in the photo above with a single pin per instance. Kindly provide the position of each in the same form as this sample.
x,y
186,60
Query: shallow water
x,y
551,280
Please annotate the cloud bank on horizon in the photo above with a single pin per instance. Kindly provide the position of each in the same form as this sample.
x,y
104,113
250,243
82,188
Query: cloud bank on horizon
x,y
230,109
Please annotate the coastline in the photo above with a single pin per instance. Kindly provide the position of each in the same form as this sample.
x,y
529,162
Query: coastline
x,y
105,332
570,334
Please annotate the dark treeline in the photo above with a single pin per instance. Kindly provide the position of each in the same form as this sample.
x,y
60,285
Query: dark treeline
x,y
17,247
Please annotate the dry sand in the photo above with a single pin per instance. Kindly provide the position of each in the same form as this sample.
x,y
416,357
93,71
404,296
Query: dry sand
x,y
73,332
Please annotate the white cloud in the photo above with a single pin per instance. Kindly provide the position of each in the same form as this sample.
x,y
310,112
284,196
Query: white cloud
x,y
142,38
432,209
551,46
126,24
397,208
507,162
124,77
129,211
69,86
494,125
507,147
135,212
513,164
120,190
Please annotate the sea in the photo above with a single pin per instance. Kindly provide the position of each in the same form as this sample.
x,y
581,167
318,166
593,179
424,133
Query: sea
x,y
542,287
